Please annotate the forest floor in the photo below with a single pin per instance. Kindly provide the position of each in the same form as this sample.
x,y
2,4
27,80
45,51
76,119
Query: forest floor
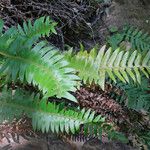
x,y
87,23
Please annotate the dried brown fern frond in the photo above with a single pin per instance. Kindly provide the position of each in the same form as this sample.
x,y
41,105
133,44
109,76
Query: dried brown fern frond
x,y
101,103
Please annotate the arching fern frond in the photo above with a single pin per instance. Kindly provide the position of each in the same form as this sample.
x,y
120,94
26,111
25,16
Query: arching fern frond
x,y
45,116
36,63
96,66
42,67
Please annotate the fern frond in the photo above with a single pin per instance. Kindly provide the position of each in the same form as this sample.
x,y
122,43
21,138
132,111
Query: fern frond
x,y
95,67
45,116
42,67
43,26
83,63
1,26
134,96
40,64
137,38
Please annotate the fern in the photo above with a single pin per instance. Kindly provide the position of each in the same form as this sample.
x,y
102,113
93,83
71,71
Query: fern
x,y
36,63
145,138
134,96
45,116
136,37
43,26
48,116
96,66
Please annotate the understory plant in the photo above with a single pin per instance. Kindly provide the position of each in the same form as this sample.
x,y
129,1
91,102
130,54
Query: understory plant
x,y
127,71
134,96
26,59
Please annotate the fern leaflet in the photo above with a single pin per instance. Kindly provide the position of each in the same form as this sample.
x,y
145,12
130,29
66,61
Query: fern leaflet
x,y
43,26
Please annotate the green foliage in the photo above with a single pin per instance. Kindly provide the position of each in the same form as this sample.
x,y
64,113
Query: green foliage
x,y
115,40
130,39
97,66
24,58
145,138
134,96
46,116
117,135
41,27
137,38
37,63
113,29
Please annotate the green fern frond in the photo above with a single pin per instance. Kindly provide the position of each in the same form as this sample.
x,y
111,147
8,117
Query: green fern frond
x,y
96,66
134,96
137,38
43,26
45,116
40,64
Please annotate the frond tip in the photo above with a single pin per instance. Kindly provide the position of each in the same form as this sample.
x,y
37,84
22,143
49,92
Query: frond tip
x,y
138,39
43,26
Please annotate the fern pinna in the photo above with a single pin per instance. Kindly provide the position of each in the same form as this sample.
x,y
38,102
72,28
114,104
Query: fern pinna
x,y
24,58
97,66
